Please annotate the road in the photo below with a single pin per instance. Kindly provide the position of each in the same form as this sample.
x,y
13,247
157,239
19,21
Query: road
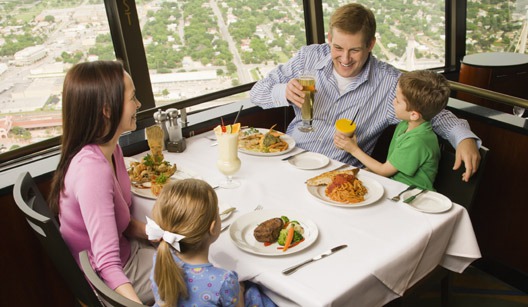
x,y
243,74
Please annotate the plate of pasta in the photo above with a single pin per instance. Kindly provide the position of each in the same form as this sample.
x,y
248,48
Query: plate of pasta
x,y
264,142
367,189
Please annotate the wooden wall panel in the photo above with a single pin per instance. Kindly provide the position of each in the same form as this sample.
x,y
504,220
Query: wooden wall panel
x,y
501,208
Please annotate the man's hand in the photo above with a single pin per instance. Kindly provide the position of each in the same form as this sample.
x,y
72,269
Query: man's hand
x,y
294,92
468,153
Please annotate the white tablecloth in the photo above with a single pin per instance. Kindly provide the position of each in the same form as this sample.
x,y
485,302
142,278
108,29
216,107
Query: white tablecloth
x,y
390,245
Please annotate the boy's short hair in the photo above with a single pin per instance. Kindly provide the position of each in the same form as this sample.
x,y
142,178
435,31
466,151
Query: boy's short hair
x,y
425,91
354,18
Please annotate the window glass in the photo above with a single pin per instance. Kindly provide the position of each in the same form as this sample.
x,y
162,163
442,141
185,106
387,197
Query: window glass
x,y
196,47
39,41
497,26
410,34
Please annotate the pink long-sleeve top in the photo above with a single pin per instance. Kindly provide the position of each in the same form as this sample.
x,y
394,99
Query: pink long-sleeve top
x,y
95,211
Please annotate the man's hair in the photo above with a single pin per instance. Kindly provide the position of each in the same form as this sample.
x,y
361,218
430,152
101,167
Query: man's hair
x,y
425,91
354,18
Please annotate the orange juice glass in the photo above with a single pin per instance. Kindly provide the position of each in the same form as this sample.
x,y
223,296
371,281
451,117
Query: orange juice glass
x,y
345,126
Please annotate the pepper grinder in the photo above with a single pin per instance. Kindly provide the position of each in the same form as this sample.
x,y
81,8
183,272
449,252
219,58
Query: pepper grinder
x,y
161,119
176,140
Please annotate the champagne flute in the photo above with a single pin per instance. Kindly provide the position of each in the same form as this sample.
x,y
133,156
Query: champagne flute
x,y
228,162
307,80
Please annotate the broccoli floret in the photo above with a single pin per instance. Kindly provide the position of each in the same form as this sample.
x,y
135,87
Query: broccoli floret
x,y
297,236
285,219
282,237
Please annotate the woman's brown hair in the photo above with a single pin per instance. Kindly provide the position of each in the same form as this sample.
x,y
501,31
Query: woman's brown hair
x,y
187,207
89,89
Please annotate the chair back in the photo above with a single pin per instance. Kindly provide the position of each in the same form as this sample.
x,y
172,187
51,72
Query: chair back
x,y
449,182
39,217
109,295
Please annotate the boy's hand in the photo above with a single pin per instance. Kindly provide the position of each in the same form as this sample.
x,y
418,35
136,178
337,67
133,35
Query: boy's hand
x,y
468,153
346,143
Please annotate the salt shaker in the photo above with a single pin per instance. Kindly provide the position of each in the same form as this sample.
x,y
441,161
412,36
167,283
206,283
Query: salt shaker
x,y
176,140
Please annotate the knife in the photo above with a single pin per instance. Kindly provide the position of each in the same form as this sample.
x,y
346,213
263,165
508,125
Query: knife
x,y
294,268
288,158
410,199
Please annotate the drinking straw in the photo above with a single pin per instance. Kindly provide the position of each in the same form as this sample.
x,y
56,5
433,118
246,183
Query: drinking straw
x,y
223,126
353,119
236,117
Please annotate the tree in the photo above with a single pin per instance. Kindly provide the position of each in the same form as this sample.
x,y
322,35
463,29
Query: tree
x,y
21,133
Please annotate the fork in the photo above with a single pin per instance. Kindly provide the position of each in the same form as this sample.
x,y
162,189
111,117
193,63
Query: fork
x,y
397,197
258,207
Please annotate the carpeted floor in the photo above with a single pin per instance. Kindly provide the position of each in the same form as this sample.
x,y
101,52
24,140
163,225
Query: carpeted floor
x,y
476,288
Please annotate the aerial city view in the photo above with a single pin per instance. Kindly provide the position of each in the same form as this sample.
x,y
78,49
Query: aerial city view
x,y
201,46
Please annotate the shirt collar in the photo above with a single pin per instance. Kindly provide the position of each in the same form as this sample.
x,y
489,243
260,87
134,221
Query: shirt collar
x,y
327,64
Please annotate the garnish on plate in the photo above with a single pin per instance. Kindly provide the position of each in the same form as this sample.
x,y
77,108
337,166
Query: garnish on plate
x,y
153,170
254,140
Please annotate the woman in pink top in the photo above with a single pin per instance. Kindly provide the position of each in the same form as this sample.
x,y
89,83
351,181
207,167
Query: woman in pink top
x,y
91,187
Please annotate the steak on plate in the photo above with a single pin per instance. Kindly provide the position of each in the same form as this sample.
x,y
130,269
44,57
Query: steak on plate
x,y
268,231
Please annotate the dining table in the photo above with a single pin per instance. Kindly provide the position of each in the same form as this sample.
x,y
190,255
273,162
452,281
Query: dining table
x,y
390,245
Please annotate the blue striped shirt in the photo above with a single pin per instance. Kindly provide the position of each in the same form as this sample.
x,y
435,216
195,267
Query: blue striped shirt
x,y
370,95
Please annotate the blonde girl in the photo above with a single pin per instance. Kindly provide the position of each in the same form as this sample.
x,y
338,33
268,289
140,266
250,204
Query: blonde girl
x,y
186,221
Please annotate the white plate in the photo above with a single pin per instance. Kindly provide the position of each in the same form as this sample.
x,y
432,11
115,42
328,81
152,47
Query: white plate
x,y
309,160
374,192
430,202
241,232
179,174
286,138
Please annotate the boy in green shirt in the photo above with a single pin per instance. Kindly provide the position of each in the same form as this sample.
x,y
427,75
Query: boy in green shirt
x,y
414,151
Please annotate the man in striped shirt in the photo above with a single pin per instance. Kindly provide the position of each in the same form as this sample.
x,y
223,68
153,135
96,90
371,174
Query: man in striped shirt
x,y
352,83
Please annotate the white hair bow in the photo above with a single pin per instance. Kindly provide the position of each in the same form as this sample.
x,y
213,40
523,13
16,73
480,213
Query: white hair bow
x,y
154,232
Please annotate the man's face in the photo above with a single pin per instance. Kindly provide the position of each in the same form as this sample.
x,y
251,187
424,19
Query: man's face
x,y
349,52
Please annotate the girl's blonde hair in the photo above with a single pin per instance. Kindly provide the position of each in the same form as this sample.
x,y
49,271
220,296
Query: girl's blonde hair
x,y
186,207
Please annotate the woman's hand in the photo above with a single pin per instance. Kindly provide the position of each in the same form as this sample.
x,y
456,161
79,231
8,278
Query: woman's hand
x,y
127,290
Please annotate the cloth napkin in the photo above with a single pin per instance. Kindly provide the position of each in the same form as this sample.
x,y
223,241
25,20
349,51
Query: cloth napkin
x,y
397,272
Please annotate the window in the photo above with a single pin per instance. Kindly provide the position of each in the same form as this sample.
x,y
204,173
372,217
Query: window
x,y
192,52
198,47
497,26
410,34
39,41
